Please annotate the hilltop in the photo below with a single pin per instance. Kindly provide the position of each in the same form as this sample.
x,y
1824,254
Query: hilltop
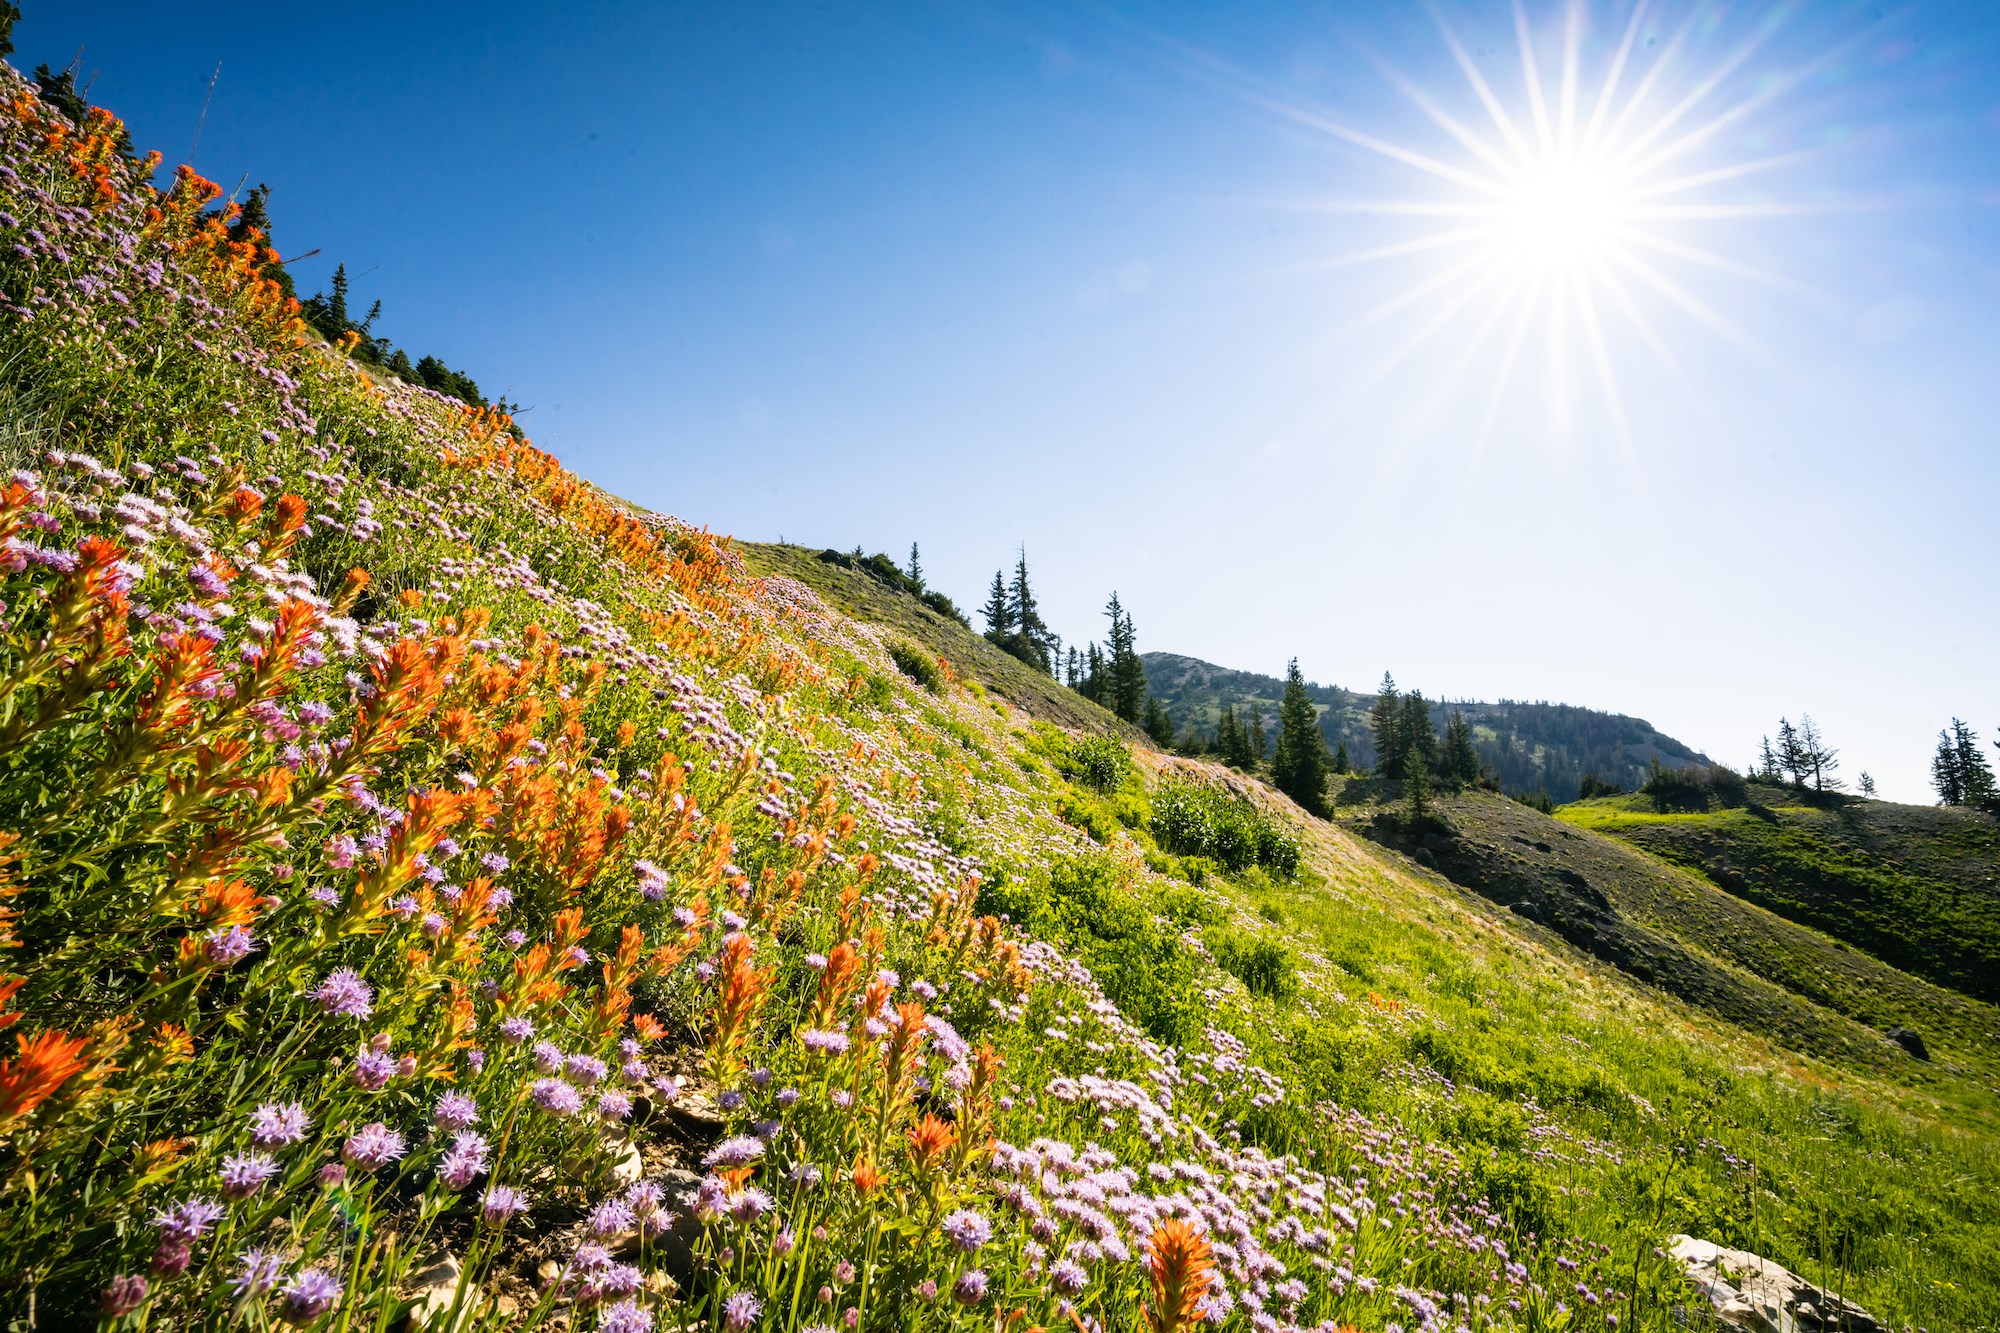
x,y
440,893
1528,747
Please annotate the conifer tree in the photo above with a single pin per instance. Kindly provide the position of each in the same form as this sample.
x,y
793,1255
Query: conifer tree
x,y
1867,785
1820,759
1416,737
1385,723
916,570
1035,643
1095,678
1341,763
1299,767
1128,674
1256,734
1792,753
999,610
1157,724
1461,761
1959,770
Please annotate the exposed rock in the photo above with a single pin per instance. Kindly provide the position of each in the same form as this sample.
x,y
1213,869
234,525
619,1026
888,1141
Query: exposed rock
x,y
1754,1294
1909,1041
436,1287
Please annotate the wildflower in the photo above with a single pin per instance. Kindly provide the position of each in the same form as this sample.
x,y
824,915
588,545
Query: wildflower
x,y
340,851
278,1124
967,1229
171,1259
188,1220
824,1043
465,1160
613,1105
625,1317
741,1310
613,1217
555,1096
584,1069
372,1070
345,995
309,1294
739,1151
260,1272
243,1174
517,1030
927,1290
1068,1277
970,1289
502,1202
333,1173
123,1296
493,863
843,1272
750,1205
227,945
455,1111
1180,1264
372,1147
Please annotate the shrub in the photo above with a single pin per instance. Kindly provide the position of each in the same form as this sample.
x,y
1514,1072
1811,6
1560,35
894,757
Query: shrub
x,y
1097,761
918,665
1695,788
1192,819
1264,966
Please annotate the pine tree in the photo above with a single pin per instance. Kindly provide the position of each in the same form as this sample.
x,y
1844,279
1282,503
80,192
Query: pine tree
x,y
1128,674
1035,643
1461,761
1299,767
1096,680
1416,737
916,570
10,14
999,610
1341,763
1960,771
1867,785
1820,758
1767,763
1158,725
1792,753
1229,737
1384,722
1256,736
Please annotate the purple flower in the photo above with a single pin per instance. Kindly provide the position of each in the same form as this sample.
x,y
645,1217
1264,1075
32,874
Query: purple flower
x,y
741,1310
309,1293
261,1270
171,1259
613,1105
493,863
750,1204
243,1174
585,1069
373,1070
967,1229
455,1111
613,1217
514,939
123,1296
739,1151
517,1030
548,1057
1067,1276
464,1162
276,1124
189,1219
555,1096
824,1043
340,851
345,995
228,944
625,1317
372,1147
502,1202
970,1289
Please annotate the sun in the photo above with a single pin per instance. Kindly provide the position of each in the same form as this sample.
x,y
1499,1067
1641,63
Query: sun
x,y
1562,202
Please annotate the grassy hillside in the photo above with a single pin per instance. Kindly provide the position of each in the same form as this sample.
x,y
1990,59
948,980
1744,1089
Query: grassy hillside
x,y
1917,886
1528,747
436,889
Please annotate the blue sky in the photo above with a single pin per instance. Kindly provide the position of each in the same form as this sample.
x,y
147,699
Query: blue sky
x,y
1096,280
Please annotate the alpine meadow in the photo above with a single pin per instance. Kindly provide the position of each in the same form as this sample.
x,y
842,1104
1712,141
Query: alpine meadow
x,y
438,892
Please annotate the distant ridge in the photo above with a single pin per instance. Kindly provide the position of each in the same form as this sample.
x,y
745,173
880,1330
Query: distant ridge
x,y
1528,747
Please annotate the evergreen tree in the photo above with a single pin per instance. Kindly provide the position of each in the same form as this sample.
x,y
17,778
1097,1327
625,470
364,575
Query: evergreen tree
x,y
1867,785
10,14
1385,722
1820,758
1299,767
1072,669
1415,735
1959,770
1767,763
1792,759
999,610
916,569
1460,761
1158,725
1256,736
1036,644
1417,785
1341,763
1229,737
327,311
1096,680
1127,688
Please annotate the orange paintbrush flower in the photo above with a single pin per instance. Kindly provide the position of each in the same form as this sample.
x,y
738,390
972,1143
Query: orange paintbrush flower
x,y
1179,1261
45,1063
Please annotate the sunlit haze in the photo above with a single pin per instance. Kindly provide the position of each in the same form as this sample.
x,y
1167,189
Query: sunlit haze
x,y
1639,358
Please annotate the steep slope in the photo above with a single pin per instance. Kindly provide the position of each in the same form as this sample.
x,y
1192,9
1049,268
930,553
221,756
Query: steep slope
x,y
465,893
1527,746
1917,886
1679,932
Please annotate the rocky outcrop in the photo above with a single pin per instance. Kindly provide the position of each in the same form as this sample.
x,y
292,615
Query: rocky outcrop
x,y
1752,1293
